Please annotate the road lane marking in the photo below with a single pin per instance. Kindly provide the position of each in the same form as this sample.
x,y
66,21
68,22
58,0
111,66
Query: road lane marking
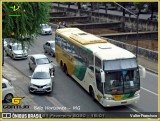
x,y
56,103
133,109
149,91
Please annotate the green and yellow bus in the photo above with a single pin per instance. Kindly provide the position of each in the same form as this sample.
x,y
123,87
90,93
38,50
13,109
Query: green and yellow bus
x,y
110,74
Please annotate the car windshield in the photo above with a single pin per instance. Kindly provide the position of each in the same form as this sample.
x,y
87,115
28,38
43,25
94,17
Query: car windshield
x,y
46,26
41,75
16,47
42,61
122,82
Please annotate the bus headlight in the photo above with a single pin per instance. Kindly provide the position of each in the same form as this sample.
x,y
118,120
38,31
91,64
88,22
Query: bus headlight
x,y
108,98
136,94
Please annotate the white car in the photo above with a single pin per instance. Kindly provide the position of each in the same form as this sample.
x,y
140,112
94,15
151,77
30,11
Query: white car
x,y
46,29
15,51
40,59
4,43
8,91
41,80
84,7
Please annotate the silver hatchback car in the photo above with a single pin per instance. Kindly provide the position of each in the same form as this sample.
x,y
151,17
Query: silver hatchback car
x,y
45,29
49,47
40,59
41,80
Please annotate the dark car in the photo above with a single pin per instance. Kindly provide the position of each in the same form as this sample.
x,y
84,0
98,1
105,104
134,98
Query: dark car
x,y
154,18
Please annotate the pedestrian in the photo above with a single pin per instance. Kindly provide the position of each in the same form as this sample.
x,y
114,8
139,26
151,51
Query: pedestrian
x,y
59,25
64,24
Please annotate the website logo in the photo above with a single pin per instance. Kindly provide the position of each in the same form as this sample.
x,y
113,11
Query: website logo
x,y
15,10
16,100
16,104
15,7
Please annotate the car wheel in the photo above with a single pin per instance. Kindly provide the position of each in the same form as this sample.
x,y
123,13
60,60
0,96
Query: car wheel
x,y
13,57
6,53
8,98
52,54
30,67
29,90
45,51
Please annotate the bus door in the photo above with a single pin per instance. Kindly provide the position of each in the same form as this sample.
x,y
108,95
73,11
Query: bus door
x,y
99,84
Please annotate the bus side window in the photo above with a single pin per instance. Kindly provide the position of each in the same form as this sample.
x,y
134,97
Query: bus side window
x,y
58,40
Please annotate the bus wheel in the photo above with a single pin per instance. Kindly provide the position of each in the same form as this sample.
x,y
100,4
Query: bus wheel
x,y
61,64
65,70
92,94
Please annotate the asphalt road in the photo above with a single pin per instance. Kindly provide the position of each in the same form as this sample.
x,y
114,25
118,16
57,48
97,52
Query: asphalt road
x,y
68,93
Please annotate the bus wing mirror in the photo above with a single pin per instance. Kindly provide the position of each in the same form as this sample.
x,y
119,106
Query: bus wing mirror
x,y
102,76
142,71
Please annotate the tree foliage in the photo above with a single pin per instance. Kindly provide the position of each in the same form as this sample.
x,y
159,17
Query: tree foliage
x,y
25,27
140,6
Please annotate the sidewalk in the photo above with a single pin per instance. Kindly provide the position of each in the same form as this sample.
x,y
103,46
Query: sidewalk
x,y
20,83
148,64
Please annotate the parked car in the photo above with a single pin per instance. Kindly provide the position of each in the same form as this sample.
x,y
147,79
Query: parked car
x,y
49,47
46,29
41,80
40,59
154,18
4,43
16,51
84,7
8,91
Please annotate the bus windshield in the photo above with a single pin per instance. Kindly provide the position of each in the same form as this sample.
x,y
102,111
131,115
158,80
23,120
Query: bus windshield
x,y
122,82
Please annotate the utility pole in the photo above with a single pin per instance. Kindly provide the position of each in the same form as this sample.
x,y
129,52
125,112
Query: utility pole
x,y
137,19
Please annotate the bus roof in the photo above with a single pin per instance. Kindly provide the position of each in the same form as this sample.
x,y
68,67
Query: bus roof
x,y
80,36
108,51
103,49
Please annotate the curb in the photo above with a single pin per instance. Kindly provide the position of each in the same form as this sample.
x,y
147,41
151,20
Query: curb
x,y
150,70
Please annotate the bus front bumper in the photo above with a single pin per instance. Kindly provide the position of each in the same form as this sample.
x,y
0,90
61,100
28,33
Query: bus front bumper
x,y
112,103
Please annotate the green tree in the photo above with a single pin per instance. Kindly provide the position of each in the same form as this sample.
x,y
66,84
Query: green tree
x,y
25,27
153,6
140,6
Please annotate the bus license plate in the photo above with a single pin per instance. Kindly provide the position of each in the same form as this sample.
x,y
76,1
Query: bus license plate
x,y
124,102
118,97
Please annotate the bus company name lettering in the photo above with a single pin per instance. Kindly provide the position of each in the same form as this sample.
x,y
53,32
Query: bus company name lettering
x,y
68,57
